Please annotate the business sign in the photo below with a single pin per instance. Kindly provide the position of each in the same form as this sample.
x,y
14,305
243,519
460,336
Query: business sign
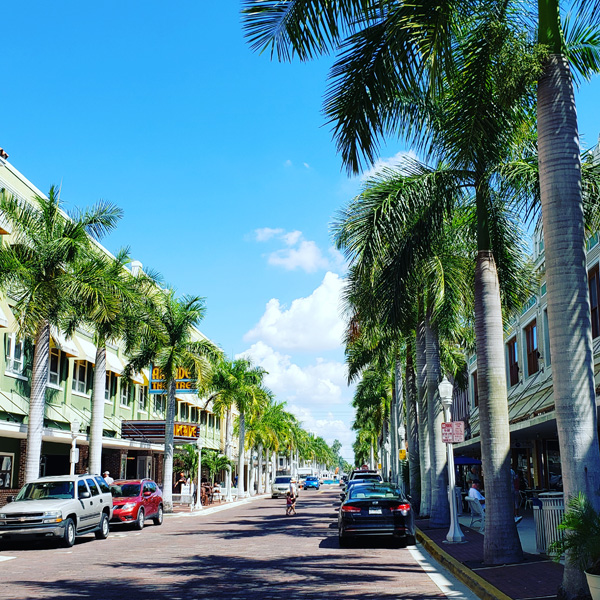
x,y
402,454
154,432
184,384
453,433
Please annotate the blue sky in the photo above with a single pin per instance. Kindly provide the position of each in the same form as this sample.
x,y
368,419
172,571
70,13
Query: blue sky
x,y
220,159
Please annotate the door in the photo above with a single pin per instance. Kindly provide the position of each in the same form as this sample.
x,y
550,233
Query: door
x,y
97,502
86,515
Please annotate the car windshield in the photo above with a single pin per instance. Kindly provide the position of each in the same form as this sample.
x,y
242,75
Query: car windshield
x,y
371,491
283,479
47,490
125,490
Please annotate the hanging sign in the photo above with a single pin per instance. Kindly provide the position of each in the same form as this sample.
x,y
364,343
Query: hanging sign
x,y
453,433
184,384
402,454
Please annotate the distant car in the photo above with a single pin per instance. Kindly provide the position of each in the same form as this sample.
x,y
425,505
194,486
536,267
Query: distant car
x,y
135,501
365,474
60,507
281,486
312,482
376,509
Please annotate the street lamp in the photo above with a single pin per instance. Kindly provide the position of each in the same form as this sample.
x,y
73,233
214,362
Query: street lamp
x,y
199,486
455,535
74,457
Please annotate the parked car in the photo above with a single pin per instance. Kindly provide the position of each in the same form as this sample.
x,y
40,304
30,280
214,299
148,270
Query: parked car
x,y
376,509
281,486
365,474
312,482
60,507
135,501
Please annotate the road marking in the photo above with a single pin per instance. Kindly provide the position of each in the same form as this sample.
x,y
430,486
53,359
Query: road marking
x,y
3,558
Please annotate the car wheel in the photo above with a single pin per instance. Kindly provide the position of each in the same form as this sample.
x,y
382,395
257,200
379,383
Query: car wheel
x,y
104,530
160,515
343,539
410,540
273,496
139,523
68,538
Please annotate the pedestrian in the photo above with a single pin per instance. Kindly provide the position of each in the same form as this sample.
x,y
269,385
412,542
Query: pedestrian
x,y
290,504
107,478
180,483
516,495
475,493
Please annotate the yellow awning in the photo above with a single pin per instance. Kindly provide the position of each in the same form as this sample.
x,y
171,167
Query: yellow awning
x,y
137,378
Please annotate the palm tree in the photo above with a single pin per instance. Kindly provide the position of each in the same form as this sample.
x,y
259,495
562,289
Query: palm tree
x,y
112,304
40,270
169,345
215,463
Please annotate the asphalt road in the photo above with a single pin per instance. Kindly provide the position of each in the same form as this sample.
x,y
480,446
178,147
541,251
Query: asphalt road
x,y
250,551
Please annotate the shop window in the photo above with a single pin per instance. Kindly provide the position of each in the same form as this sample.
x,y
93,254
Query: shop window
x,y
474,389
513,362
6,467
594,288
14,354
54,367
80,376
531,344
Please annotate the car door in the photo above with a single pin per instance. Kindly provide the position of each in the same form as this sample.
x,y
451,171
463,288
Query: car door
x,y
86,514
147,499
97,502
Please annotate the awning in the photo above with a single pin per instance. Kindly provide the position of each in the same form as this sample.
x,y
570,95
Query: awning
x,y
146,376
3,319
62,343
113,363
137,378
87,350
466,460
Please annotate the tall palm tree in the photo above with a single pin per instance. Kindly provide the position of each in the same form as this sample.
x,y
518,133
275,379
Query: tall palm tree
x,y
40,270
113,304
170,344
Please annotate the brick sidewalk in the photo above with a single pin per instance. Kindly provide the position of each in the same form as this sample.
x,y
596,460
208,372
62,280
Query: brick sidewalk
x,y
536,577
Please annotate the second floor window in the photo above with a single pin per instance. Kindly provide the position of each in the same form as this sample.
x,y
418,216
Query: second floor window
x,y
111,383
80,376
513,362
143,398
475,390
532,348
125,393
594,287
14,354
54,367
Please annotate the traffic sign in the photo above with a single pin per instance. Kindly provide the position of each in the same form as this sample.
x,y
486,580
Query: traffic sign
x,y
453,433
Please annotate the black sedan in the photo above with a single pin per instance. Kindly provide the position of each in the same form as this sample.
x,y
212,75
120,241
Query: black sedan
x,y
376,509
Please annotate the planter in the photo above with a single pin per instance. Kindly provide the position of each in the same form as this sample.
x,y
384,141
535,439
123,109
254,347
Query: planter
x,y
594,585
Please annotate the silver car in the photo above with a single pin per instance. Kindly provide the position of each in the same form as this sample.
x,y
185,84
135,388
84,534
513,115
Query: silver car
x,y
281,486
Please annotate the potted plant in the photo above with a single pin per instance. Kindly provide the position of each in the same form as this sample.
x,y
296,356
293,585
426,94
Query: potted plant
x,y
581,540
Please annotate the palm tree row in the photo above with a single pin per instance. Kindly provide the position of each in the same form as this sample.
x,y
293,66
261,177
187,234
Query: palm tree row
x,y
459,80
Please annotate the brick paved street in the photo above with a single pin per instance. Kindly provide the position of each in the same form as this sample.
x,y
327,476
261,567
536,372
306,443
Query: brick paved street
x,y
247,552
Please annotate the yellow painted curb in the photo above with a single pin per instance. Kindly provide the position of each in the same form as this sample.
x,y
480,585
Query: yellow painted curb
x,y
474,582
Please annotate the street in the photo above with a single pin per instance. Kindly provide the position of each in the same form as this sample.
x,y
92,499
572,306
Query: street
x,y
249,551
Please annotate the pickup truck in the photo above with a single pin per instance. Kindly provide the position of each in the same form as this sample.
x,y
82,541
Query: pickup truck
x,y
59,508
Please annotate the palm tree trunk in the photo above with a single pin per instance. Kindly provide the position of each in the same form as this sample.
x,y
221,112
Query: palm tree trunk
x,y
440,509
425,462
412,434
241,456
251,472
37,401
260,468
400,428
394,432
501,542
566,279
228,496
97,421
169,449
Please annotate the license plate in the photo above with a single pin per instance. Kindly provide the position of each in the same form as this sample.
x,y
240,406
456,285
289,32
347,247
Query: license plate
x,y
374,511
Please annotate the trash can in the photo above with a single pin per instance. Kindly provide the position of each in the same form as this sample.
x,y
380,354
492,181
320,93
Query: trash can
x,y
553,509
540,532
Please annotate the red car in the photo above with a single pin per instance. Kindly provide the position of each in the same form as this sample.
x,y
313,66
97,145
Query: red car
x,y
135,500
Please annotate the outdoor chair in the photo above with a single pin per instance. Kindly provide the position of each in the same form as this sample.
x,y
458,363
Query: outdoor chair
x,y
477,512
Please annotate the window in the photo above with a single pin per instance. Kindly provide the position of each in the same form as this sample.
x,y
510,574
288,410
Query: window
x,y
474,389
93,488
594,288
144,398
111,384
81,488
125,393
80,376
159,404
54,367
194,414
203,418
513,362
184,411
6,465
531,344
14,354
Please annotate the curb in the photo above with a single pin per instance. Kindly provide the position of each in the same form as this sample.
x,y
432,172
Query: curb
x,y
478,585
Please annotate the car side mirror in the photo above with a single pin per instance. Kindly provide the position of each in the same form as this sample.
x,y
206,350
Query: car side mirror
x,y
342,496
84,495
10,499
147,494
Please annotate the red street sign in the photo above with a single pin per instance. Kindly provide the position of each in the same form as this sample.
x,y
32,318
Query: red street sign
x,y
453,433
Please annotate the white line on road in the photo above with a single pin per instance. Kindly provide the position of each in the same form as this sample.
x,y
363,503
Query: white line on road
x,y
448,584
3,558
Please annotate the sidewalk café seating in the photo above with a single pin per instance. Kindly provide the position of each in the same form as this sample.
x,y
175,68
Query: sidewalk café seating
x,y
477,512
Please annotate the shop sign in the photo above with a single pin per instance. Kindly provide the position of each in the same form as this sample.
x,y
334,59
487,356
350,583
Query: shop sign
x,y
184,384
183,430
453,433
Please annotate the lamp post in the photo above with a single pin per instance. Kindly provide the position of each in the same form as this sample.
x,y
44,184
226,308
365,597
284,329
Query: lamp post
x,y
74,456
455,535
199,486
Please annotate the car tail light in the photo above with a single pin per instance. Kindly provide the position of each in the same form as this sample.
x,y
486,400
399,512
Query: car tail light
x,y
403,508
348,508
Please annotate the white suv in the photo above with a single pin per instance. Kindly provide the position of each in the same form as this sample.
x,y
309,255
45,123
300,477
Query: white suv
x,y
60,507
282,485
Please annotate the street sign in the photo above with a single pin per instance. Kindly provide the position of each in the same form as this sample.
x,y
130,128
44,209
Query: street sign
x,y
402,454
453,433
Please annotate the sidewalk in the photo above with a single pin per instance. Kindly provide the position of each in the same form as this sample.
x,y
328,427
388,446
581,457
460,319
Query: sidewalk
x,y
535,578
185,510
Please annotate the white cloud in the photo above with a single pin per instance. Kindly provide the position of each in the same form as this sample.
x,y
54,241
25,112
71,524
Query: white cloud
x,y
266,233
312,323
306,165
389,162
287,163
291,238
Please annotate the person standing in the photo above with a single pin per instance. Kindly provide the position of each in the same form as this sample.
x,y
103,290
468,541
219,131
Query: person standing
x,y
107,477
